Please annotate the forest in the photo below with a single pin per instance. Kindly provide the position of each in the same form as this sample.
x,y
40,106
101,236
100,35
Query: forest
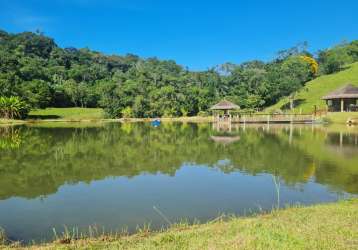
x,y
36,73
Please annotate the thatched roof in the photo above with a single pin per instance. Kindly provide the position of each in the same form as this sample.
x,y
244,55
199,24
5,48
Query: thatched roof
x,y
224,105
225,139
348,91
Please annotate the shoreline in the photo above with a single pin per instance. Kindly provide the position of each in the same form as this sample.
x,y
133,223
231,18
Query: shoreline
x,y
122,120
321,226
93,116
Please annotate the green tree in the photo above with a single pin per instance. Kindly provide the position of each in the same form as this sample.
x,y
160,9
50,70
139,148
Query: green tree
x,y
333,60
37,93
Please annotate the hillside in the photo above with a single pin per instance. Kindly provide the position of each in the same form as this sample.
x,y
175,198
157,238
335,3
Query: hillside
x,y
312,92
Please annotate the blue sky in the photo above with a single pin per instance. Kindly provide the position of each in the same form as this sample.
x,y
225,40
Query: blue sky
x,y
198,34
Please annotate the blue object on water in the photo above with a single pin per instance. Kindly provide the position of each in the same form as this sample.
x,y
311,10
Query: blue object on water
x,y
156,123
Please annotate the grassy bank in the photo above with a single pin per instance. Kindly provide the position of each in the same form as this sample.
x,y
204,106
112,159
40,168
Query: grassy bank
x,y
92,114
67,114
97,114
88,114
326,226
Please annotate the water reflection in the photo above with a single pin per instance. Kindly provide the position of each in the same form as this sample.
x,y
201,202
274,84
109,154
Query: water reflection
x,y
37,161
113,174
9,138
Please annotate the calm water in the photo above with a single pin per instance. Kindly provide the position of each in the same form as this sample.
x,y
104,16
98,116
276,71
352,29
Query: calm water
x,y
113,175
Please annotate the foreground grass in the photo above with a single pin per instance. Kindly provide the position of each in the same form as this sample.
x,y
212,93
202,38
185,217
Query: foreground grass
x,y
314,90
67,114
326,226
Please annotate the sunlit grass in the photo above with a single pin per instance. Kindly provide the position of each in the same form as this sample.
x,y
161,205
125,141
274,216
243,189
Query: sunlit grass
x,y
67,113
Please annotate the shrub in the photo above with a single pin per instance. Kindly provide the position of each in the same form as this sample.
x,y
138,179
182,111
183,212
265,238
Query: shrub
x,y
13,108
127,112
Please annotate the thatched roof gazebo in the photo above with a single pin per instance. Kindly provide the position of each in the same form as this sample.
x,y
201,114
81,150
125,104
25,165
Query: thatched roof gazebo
x,y
224,106
342,99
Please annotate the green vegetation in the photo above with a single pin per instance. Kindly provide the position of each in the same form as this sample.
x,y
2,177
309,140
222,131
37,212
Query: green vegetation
x,y
13,107
42,74
67,113
328,226
311,94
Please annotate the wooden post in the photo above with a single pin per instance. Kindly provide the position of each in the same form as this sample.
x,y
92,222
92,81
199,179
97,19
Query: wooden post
x,y
244,118
342,105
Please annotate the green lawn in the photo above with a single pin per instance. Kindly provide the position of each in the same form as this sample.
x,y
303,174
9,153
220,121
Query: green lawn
x,y
67,114
314,90
326,226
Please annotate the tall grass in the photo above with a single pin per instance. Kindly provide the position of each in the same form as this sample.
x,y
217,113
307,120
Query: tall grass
x,y
3,237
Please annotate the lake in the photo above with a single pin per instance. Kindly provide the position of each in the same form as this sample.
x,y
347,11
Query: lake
x,y
120,176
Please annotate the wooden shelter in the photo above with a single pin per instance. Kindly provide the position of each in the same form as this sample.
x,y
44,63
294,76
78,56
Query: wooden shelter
x,y
343,99
222,110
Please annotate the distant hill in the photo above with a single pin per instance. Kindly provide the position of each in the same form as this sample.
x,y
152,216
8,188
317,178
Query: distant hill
x,y
312,92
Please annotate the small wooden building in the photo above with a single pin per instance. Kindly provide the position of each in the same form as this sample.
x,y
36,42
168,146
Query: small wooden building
x,y
343,99
222,110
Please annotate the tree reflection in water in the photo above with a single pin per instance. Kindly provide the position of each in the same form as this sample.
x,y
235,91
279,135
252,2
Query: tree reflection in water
x,y
36,161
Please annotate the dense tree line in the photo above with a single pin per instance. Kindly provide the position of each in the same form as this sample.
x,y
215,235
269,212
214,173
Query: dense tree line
x,y
42,74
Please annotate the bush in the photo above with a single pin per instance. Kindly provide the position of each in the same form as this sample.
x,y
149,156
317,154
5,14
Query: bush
x,y
127,112
13,108
203,113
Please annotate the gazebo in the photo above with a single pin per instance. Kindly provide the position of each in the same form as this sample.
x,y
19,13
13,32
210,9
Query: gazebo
x,y
222,110
342,99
